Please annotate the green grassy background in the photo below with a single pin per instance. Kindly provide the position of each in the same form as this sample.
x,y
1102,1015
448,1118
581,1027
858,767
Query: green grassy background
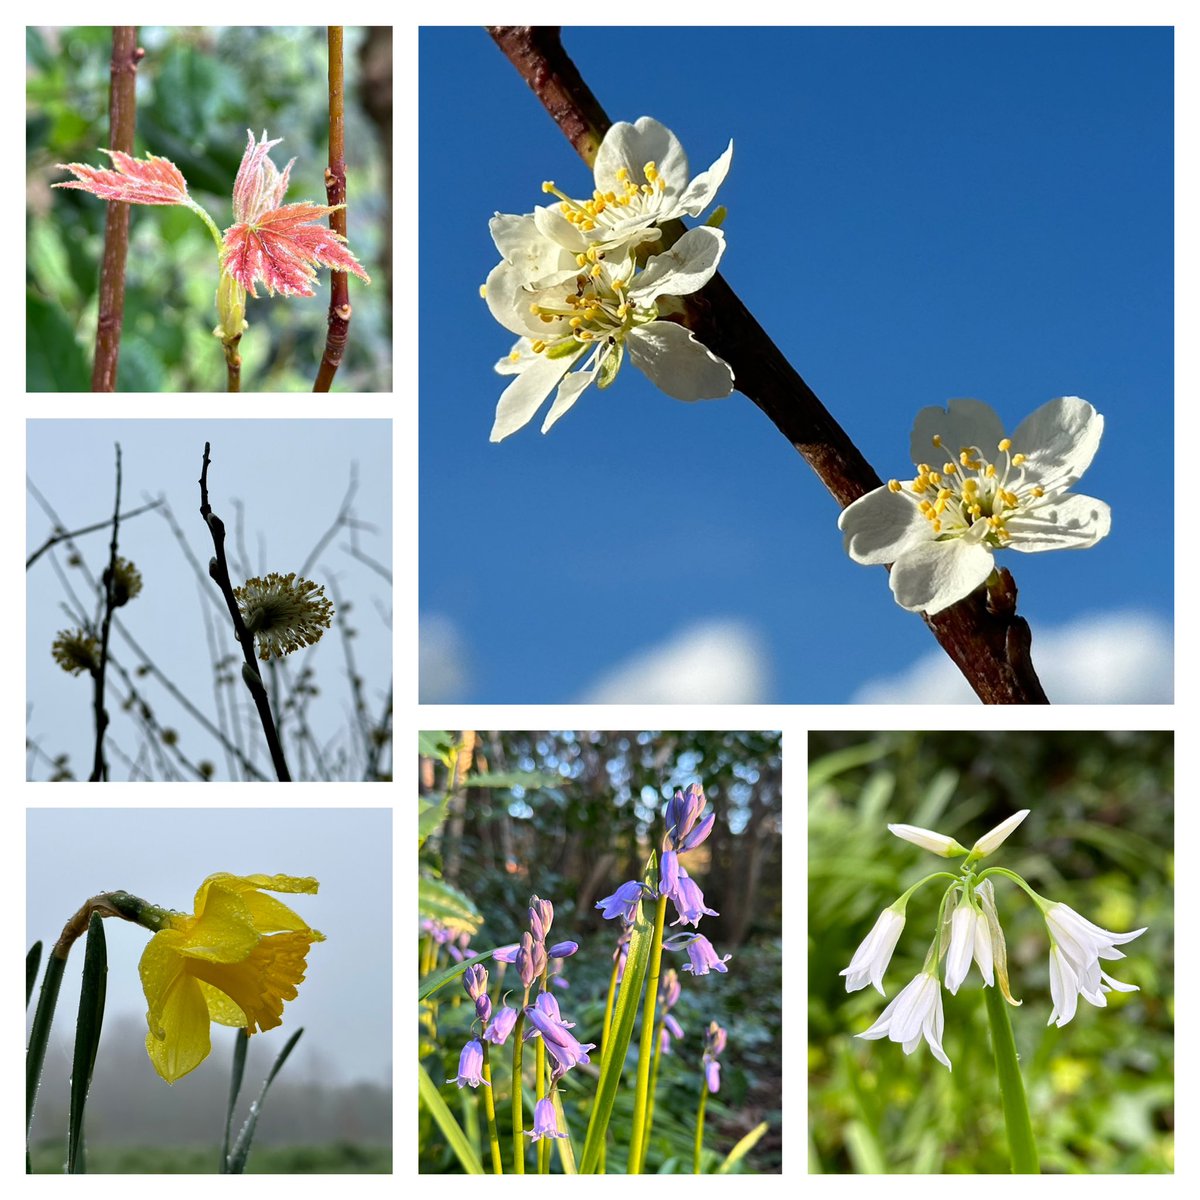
x,y
1099,838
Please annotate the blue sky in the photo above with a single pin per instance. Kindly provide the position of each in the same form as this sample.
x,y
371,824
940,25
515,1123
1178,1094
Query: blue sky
x,y
914,215
291,478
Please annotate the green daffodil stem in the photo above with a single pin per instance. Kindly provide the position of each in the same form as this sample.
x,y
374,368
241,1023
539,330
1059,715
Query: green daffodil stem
x,y
646,1047
518,1116
489,1108
699,1146
1021,1146
658,1033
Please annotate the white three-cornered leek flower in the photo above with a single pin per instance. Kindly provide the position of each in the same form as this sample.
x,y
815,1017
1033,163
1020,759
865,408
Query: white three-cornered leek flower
x,y
928,839
994,838
915,1013
977,491
605,308
1076,948
970,936
873,955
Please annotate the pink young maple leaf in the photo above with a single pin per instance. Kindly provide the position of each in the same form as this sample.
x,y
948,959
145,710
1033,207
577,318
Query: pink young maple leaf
x,y
150,180
278,244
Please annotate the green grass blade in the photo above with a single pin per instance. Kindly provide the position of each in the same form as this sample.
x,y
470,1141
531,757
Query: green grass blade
x,y
439,979
451,1130
566,1151
624,1016
742,1148
241,1041
1022,1147
87,1037
39,1035
241,1148
33,960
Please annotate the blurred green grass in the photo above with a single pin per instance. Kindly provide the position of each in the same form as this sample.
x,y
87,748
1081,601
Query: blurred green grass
x,y
333,1158
199,90
1100,837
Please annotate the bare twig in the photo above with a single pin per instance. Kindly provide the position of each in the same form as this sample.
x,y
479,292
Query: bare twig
x,y
99,770
63,536
982,633
122,116
335,192
218,568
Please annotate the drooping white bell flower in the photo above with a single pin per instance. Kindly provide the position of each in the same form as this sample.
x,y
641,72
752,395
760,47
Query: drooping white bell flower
x,y
875,952
914,1014
990,492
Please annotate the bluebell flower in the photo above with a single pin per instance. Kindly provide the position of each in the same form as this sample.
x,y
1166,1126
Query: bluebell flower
x,y
562,1045
700,951
622,903
563,949
683,811
541,917
688,900
530,959
545,1121
501,1026
470,1065
714,1044
506,954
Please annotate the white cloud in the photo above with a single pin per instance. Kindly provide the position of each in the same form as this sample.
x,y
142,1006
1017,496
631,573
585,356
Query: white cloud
x,y
1102,658
443,661
710,662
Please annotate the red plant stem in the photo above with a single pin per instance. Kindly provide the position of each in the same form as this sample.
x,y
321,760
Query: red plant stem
x,y
335,193
982,633
122,117
233,366
99,766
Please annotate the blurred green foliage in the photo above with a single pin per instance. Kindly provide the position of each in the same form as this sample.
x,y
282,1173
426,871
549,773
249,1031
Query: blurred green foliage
x,y
333,1158
198,91
577,840
1099,838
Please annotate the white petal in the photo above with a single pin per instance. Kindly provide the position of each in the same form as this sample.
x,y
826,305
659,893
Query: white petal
x,y
538,260
927,839
1116,984
961,423
520,358
983,951
934,575
932,1029
552,223
880,526
569,391
994,838
962,941
1059,440
683,269
670,357
524,396
509,301
703,188
632,147
1068,522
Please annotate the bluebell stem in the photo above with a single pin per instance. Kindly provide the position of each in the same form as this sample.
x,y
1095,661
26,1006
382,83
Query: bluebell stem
x,y
470,1065
545,1121
622,903
501,1026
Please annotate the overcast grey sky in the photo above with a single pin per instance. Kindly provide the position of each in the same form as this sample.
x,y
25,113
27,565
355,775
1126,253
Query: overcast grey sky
x,y
162,855
291,476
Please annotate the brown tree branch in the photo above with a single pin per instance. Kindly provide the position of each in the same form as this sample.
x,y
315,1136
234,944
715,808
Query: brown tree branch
x,y
335,192
99,767
982,633
122,115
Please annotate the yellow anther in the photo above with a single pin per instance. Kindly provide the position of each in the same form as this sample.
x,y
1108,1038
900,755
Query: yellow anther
x,y
538,346
662,184
964,457
925,506
581,260
619,285
575,322
1039,492
585,335
647,189
940,506
611,197
535,309
651,171
514,356
937,439
597,271
590,314
970,487
894,485
991,471
483,291
590,254
548,185
944,494
586,225
1005,445
1018,459
622,173
950,468
547,318
935,477
923,468
622,311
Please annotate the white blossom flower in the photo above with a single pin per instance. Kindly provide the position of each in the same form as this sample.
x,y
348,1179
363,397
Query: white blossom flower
x,y
1076,947
994,838
991,492
641,174
914,1014
605,308
970,936
873,955
928,839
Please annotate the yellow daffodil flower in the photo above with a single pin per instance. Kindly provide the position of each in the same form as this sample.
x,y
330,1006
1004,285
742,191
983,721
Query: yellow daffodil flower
x,y
235,961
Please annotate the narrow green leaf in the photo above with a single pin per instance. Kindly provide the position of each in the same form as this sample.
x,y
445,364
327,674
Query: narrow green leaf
x,y
241,1041
529,780
87,1037
435,744
439,979
431,815
33,960
742,1148
864,1150
624,1016
566,1148
39,1034
241,1148
448,905
432,1099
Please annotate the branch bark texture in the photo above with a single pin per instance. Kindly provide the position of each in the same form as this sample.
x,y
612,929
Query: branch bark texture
x,y
982,634
122,116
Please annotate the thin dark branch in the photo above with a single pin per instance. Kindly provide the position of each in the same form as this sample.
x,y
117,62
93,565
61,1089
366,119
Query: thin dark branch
x,y
218,568
122,117
99,770
54,539
368,561
335,192
982,633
